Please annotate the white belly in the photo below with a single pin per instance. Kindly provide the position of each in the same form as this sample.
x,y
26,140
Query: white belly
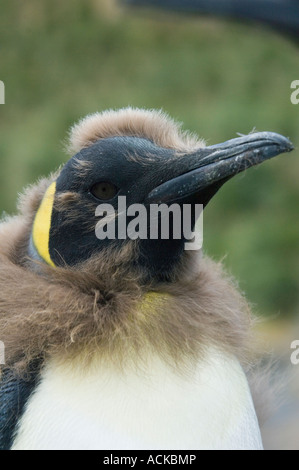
x,y
156,409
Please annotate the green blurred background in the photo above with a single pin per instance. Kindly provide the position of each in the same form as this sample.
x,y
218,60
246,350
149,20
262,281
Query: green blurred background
x,y
62,60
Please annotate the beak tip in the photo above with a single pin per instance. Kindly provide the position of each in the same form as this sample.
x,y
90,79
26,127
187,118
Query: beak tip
x,y
284,143
291,147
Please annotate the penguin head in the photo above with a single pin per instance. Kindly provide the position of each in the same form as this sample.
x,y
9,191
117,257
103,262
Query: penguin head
x,y
136,157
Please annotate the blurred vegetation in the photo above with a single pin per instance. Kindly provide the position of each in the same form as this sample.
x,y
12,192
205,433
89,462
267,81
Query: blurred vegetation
x,y
62,60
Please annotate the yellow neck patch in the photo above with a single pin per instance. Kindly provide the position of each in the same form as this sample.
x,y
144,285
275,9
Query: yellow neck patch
x,y
42,225
152,302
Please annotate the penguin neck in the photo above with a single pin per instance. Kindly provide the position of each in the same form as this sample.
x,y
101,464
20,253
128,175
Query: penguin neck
x,y
83,314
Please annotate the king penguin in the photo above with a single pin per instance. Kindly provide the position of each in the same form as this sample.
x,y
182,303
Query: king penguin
x,y
125,343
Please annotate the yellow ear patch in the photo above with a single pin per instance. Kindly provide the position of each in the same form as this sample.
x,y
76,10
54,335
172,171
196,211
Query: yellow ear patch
x,y
42,225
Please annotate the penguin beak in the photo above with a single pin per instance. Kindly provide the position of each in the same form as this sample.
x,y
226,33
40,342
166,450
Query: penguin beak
x,y
201,174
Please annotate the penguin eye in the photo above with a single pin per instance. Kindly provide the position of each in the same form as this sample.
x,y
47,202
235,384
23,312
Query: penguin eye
x,y
104,190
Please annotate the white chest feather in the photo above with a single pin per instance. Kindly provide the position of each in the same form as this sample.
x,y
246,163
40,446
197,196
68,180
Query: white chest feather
x,y
153,409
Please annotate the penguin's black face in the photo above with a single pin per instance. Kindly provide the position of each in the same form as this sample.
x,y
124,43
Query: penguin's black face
x,y
130,167
145,174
